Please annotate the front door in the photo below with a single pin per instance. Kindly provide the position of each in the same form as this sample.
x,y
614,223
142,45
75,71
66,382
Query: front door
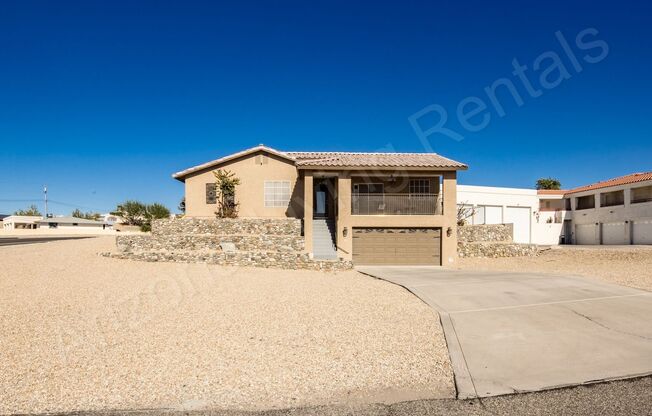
x,y
321,201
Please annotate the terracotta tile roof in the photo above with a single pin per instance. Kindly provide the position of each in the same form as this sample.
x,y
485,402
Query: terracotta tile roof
x,y
622,180
338,159
551,191
374,160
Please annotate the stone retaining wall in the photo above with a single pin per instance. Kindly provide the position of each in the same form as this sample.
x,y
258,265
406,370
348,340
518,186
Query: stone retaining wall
x,y
480,233
227,226
494,240
282,260
258,243
493,249
262,242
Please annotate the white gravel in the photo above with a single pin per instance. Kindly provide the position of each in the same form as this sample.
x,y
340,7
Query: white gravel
x,y
83,332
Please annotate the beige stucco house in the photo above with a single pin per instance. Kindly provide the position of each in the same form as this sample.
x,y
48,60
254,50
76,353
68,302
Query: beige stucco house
x,y
372,208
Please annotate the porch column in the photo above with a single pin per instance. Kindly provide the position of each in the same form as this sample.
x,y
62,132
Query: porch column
x,y
449,244
344,243
307,210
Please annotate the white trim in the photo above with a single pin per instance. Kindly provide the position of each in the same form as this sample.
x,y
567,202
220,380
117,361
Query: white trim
x,y
181,175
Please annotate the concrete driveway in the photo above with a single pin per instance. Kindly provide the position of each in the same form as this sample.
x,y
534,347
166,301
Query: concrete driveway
x,y
515,332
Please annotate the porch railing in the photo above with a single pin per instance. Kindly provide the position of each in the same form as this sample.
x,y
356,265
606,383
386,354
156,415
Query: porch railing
x,y
396,204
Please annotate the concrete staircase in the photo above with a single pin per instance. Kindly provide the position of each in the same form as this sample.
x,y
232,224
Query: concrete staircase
x,y
323,237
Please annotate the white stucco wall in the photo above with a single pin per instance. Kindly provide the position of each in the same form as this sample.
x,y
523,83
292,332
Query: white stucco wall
x,y
504,205
611,220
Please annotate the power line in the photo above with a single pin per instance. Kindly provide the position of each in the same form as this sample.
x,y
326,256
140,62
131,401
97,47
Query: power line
x,y
65,204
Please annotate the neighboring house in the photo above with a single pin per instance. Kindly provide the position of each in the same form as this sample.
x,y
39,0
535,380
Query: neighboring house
x,y
616,211
613,212
20,222
2,217
71,222
110,219
372,208
533,215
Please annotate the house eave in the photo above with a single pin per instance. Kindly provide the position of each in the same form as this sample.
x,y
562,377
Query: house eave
x,y
182,175
381,168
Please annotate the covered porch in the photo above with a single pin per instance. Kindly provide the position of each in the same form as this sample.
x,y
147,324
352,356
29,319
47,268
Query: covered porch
x,y
355,200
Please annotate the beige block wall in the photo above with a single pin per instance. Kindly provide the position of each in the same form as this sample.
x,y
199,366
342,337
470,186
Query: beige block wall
x,y
253,170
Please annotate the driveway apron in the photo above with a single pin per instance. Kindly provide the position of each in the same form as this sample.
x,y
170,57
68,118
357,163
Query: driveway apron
x,y
517,332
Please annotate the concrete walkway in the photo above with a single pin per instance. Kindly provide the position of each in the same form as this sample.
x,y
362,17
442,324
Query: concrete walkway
x,y
515,332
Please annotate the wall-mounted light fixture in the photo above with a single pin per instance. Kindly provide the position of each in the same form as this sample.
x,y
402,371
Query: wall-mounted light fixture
x,y
345,231
449,232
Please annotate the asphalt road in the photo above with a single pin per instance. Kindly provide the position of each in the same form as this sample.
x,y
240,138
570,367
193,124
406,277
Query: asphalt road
x,y
14,241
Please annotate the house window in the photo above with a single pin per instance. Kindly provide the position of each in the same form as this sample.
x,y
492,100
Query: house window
x,y
642,194
368,188
211,193
277,194
585,202
610,199
419,186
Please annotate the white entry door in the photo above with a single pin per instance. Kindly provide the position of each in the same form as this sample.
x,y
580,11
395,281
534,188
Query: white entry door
x,y
520,218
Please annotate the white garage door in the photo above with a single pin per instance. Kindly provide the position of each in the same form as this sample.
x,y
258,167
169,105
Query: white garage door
x,y
642,232
586,234
614,233
520,217
493,215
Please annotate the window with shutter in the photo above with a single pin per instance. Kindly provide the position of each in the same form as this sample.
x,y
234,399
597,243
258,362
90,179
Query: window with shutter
x,y
211,194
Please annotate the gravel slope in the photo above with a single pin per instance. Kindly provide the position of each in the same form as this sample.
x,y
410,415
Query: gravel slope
x,y
83,332
629,266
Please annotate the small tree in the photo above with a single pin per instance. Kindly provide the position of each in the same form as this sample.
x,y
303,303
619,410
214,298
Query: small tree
x,y
137,213
87,215
157,211
132,212
548,183
464,212
225,183
31,211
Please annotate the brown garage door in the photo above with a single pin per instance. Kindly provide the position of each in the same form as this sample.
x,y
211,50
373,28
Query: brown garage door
x,y
397,246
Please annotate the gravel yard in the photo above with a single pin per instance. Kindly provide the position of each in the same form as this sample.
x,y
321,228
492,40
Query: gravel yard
x,y
82,332
629,266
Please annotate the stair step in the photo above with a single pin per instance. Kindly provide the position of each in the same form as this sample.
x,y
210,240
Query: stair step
x,y
323,238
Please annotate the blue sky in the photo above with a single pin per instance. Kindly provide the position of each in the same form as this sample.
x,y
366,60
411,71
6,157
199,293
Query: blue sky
x,y
102,101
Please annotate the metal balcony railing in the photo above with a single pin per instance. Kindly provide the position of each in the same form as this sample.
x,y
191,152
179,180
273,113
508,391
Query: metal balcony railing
x,y
396,204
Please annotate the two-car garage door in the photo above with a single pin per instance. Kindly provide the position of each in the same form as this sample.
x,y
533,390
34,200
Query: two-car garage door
x,y
401,246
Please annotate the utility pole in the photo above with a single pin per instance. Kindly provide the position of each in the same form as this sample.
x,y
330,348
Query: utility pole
x,y
45,193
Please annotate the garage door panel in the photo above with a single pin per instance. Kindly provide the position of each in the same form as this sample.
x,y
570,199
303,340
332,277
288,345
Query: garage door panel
x,y
614,233
586,234
401,246
642,232
520,218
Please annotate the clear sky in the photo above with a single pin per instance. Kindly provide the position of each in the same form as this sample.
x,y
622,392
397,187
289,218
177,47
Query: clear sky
x,y
104,100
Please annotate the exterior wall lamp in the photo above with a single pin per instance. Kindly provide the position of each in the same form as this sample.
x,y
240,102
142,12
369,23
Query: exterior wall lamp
x,y
345,231
449,232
